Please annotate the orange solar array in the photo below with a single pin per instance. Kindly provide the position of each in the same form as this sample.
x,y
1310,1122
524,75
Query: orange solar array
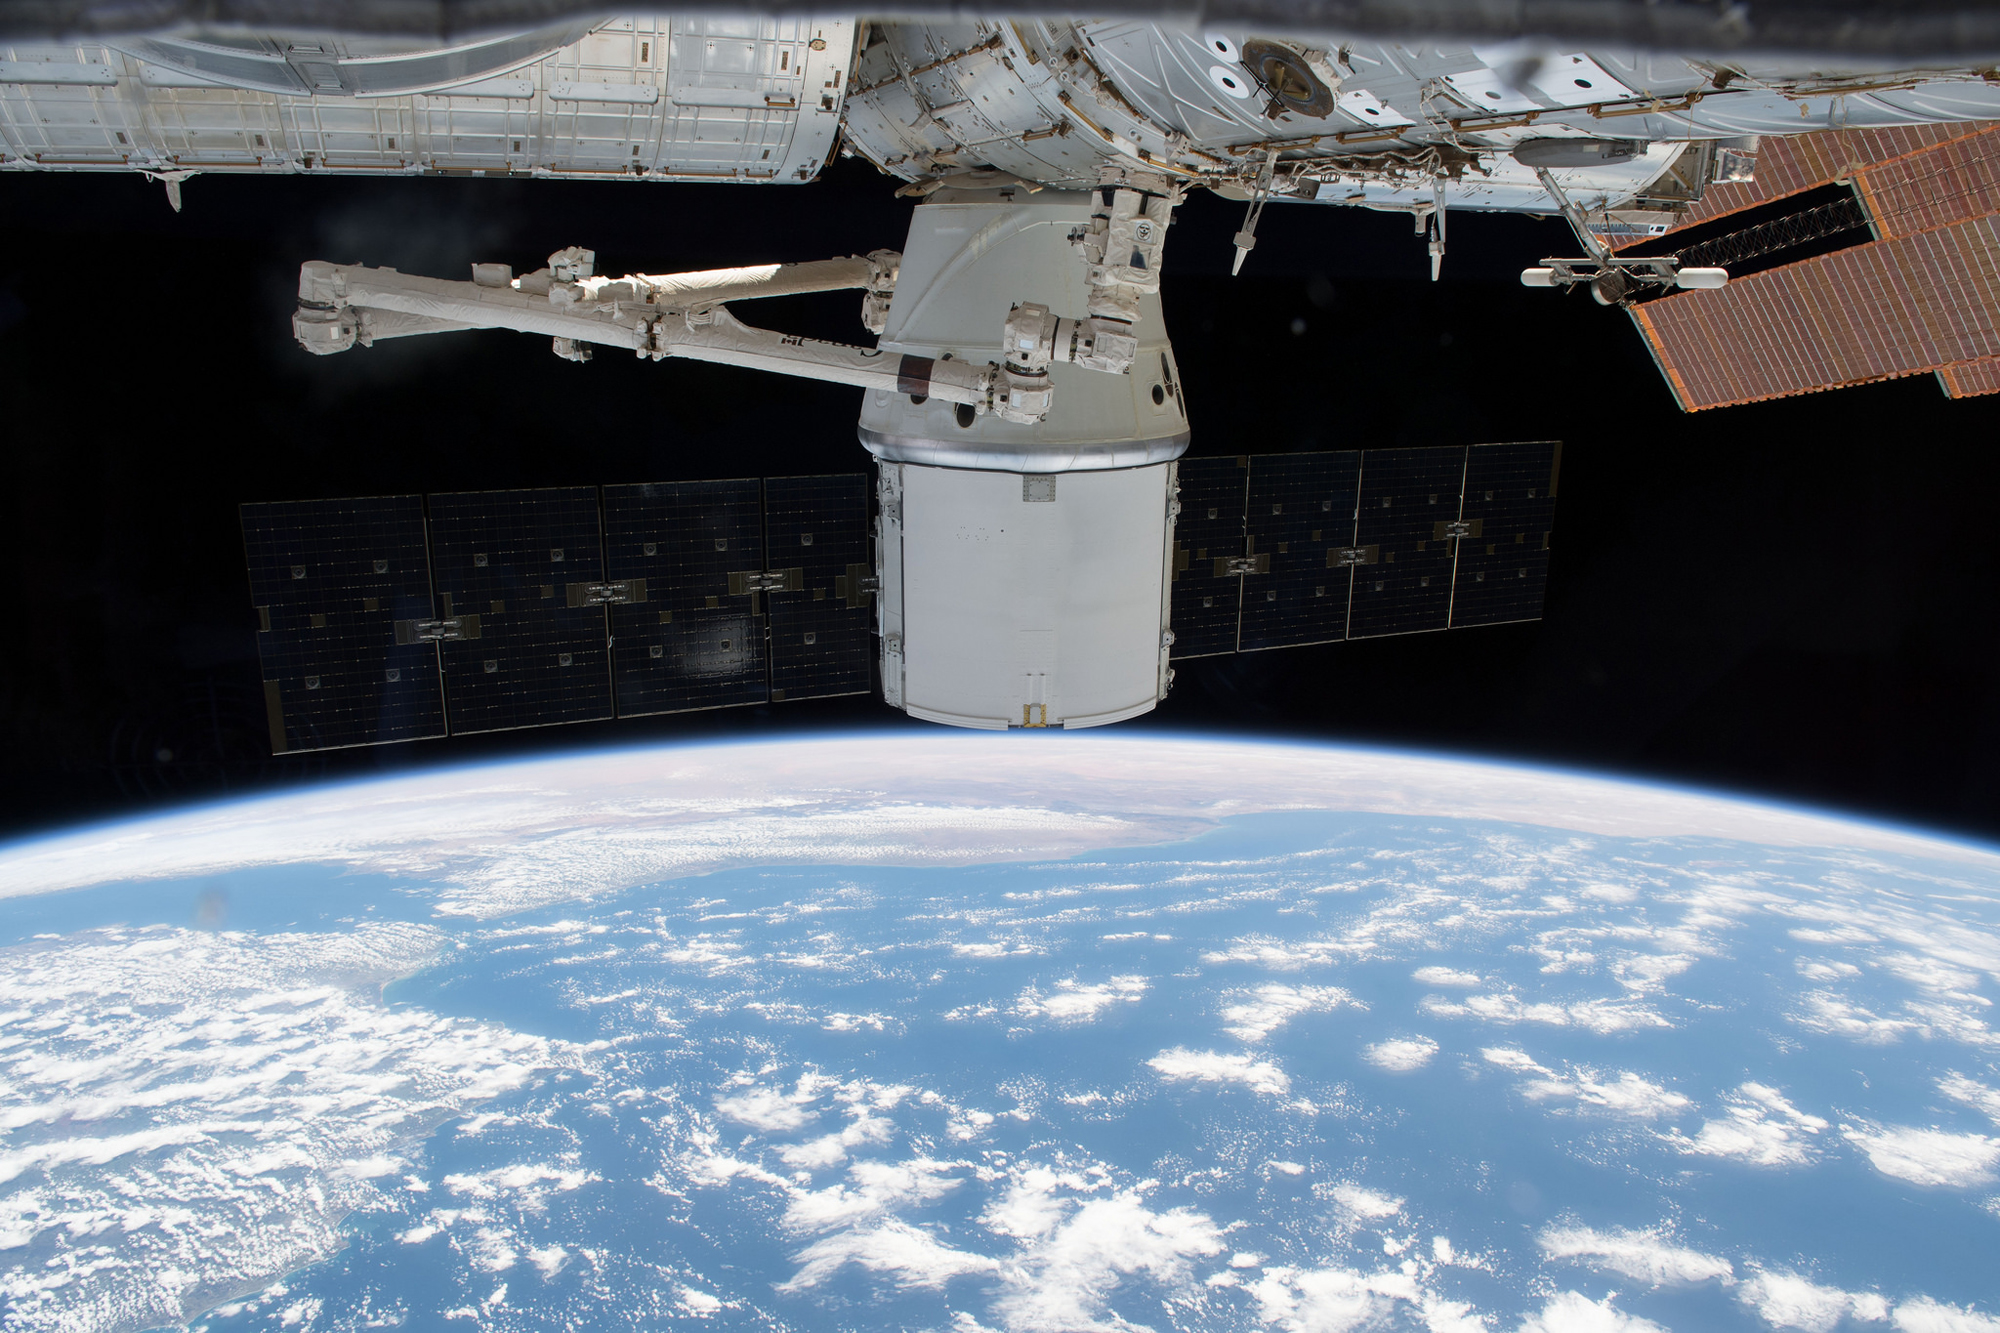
x,y
1968,379
1807,161
1873,312
1925,297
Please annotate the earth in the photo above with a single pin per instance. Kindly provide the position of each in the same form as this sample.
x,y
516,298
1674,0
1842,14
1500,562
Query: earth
x,y
1020,1033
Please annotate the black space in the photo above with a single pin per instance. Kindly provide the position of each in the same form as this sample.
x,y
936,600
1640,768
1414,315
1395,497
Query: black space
x,y
1796,599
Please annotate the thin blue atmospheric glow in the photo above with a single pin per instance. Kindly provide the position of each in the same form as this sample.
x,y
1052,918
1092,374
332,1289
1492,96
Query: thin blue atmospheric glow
x,y
445,773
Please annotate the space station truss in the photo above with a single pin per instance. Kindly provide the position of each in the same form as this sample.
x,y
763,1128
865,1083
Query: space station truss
x,y
406,617
1284,550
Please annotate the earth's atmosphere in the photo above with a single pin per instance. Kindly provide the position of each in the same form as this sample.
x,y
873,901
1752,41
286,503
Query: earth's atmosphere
x,y
970,1033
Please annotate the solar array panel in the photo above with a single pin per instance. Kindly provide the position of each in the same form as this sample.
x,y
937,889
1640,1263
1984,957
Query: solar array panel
x,y
503,609
1407,498
1300,515
1208,536
509,558
1356,544
1510,507
690,642
331,579
823,610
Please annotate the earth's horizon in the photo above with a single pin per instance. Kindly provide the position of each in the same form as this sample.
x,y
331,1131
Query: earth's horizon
x,y
947,1031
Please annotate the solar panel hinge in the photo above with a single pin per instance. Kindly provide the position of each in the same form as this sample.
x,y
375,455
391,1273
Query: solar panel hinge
x,y
1465,527
1343,557
619,592
1227,566
857,587
437,631
767,580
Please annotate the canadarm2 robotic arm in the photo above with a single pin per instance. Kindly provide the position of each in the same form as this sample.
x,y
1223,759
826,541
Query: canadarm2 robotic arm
x,y
660,316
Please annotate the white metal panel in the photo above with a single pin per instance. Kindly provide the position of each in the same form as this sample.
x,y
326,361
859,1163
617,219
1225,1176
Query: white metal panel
x,y
593,108
57,71
1577,80
969,258
1369,109
1487,90
1030,612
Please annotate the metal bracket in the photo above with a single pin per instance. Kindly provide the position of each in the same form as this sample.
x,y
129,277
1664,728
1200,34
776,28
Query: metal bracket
x,y
767,580
858,586
437,631
602,594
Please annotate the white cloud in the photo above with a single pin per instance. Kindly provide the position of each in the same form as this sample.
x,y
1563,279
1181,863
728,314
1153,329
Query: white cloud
x,y
832,1149
1644,973
994,949
1924,1315
1446,976
1977,1095
1073,1002
1573,1312
1366,1204
208,1106
1626,1094
529,1178
1789,1301
1181,1065
699,1304
1260,1012
1074,1240
875,1188
1402,1054
769,1110
1927,1156
1062,1279
1837,1016
1759,1127
1330,1300
912,1257
1644,1256
1514,1059
1813,969
1601,1016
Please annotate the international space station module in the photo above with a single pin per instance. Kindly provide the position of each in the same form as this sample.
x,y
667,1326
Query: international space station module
x,y
1033,548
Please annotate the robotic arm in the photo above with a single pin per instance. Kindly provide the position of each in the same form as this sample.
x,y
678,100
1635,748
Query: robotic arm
x,y
681,314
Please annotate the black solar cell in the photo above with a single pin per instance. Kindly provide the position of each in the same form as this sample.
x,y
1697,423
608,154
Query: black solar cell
x,y
1503,558
511,558
1301,512
822,609
330,580
1408,496
1208,535
689,642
